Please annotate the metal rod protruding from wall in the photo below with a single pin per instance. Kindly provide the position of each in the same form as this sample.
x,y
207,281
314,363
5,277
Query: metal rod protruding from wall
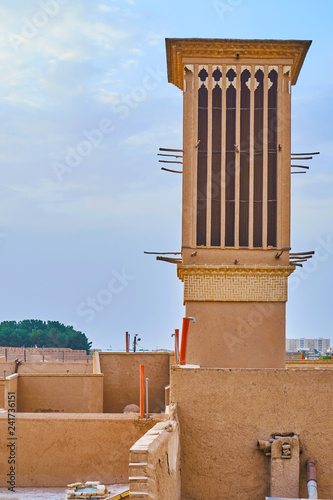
x,y
135,341
142,391
177,345
147,405
127,342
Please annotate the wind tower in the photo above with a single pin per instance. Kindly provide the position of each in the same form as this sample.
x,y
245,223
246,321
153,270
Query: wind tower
x,y
236,195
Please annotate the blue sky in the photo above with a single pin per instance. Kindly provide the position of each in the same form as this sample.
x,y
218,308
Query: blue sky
x,y
73,227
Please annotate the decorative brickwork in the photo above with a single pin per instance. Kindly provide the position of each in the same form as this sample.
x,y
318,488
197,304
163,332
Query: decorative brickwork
x,y
235,283
180,49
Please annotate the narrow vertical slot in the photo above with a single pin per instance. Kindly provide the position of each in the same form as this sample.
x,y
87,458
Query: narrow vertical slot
x,y
244,159
202,160
258,157
216,160
230,159
272,160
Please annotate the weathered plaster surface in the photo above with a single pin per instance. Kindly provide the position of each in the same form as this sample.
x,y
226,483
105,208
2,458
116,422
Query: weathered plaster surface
x,y
54,450
236,334
46,367
223,412
121,379
155,463
60,393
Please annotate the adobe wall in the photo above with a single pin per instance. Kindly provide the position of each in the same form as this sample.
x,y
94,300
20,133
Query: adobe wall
x,y
155,464
308,364
11,384
222,414
46,367
60,393
241,334
2,393
53,450
46,353
121,379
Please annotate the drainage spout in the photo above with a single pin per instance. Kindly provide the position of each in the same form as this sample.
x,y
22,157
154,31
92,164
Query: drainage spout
x,y
312,478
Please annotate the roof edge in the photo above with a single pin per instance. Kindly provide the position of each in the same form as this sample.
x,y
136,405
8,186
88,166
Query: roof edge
x,y
178,48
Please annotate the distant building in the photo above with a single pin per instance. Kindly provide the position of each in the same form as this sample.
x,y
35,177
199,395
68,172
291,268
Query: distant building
x,y
320,344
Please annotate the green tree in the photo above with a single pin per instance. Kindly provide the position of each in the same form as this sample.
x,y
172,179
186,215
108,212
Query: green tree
x,y
31,333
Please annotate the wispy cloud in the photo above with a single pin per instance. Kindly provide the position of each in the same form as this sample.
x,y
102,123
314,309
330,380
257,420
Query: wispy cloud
x,y
108,8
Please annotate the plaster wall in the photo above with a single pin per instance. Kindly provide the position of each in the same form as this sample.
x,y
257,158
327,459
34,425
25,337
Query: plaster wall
x,y
60,393
121,379
11,385
308,364
46,367
54,450
96,363
48,353
2,393
236,334
222,414
155,464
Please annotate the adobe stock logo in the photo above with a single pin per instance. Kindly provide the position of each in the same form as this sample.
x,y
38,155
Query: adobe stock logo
x,y
93,305
226,7
246,327
40,19
74,155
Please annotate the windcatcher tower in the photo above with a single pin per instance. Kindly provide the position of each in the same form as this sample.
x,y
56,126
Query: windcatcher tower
x,y
236,195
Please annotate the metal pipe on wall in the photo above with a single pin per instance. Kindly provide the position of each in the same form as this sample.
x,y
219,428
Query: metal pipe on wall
x,y
142,391
312,478
176,335
147,407
183,345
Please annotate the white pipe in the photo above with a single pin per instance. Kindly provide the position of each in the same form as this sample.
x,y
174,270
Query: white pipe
x,y
312,489
177,348
147,397
312,478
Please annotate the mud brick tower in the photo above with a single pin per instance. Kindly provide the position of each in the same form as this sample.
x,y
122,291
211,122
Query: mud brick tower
x,y
236,195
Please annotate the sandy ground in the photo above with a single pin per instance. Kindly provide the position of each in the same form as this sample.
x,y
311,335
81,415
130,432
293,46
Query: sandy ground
x,y
47,493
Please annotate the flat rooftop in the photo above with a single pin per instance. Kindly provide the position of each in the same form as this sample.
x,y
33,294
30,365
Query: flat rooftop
x,y
49,493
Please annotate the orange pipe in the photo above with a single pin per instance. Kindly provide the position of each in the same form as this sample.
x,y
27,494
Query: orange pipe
x,y
127,342
183,346
142,391
176,344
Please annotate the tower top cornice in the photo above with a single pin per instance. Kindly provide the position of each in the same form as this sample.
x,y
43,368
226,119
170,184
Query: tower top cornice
x,y
182,50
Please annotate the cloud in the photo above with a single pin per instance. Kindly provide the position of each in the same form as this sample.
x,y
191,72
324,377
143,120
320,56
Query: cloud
x,y
129,63
137,52
107,96
152,137
155,38
107,8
